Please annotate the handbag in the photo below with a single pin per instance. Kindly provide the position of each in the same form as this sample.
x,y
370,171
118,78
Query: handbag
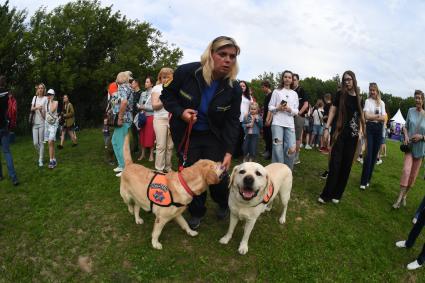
x,y
50,118
406,148
32,114
112,119
141,120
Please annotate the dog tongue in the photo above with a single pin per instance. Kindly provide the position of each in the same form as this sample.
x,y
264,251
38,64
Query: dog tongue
x,y
248,194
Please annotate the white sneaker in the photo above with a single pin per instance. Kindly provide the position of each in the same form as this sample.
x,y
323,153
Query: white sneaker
x,y
40,163
118,169
360,160
414,220
362,187
321,200
400,244
317,145
119,174
308,147
413,265
379,162
301,145
367,185
335,201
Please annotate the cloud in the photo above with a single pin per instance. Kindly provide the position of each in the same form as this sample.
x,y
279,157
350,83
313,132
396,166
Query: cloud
x,y
378,40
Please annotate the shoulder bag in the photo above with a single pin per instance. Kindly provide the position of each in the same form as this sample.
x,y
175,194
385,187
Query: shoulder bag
x,y
32,114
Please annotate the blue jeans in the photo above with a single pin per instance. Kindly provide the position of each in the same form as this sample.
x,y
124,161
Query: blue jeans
x,y
374,141
4,139
118,143
250,145
283,139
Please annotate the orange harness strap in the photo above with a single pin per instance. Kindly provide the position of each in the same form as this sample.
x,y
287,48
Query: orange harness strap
x,y
269,194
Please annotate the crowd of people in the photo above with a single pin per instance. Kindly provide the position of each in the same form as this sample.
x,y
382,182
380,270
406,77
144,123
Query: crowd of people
x,y
203,112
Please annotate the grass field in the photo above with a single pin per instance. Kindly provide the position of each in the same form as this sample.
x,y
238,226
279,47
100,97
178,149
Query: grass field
x,y
54,217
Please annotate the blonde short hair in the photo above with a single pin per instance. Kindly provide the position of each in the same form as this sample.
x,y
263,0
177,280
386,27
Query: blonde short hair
x,y
164,71
123,77
208,63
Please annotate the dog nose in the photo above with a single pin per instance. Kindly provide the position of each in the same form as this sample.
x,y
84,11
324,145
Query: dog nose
x,y
248,180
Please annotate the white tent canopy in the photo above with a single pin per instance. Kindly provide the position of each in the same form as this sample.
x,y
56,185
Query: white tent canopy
x,y
398,118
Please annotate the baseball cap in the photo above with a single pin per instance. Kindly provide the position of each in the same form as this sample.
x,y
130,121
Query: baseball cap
x,y
51,92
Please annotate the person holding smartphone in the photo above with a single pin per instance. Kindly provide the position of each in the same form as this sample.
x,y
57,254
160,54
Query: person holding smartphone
x,y
284,106
374,111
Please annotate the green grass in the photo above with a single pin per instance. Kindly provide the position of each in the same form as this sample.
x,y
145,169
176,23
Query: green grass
x,y
55,216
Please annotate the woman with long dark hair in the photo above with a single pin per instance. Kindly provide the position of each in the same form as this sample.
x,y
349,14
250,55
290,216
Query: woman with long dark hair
x,y
245,102
347,121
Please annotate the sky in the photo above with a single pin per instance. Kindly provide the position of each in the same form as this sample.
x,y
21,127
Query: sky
x,y
381,40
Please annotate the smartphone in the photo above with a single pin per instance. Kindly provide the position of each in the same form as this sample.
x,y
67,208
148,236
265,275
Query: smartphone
x,y
376,111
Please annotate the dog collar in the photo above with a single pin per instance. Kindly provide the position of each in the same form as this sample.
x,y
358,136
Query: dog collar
x,y
185,186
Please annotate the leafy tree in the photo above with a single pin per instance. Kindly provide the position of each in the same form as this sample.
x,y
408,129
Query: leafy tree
x,y
79,47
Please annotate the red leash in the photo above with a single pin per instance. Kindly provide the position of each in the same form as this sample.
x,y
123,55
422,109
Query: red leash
x,y
185,142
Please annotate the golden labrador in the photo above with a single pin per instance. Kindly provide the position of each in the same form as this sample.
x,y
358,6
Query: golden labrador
x,y
170,197
252,191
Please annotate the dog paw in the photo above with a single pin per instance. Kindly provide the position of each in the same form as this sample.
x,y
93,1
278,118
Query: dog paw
x,y
282,220
243,248
192,233
139,221
224,240
156,245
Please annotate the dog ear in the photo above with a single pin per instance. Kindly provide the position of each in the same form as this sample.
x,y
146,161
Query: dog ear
x,y
232,176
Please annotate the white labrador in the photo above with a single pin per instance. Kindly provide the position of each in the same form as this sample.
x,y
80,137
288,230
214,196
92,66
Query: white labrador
x,y
252,191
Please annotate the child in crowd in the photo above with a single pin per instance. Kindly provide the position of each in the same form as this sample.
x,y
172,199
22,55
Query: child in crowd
x,y
109,153
252,124
308,127
317,124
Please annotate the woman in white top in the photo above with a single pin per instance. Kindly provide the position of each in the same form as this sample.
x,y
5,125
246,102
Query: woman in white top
x,y
146,133
51,125
245,103
283,106
374,111
38,105
164,143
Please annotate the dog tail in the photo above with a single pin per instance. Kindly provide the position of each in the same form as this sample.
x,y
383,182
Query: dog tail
x,y
126,149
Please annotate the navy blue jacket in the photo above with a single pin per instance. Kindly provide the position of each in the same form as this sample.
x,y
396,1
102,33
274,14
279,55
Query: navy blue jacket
x,y
185,91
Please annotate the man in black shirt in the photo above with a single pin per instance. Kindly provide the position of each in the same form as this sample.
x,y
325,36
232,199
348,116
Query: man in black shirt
x,y
267,132
135,85
4,132
302,110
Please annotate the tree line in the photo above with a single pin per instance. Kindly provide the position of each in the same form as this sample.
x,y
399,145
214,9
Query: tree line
x,y
77,49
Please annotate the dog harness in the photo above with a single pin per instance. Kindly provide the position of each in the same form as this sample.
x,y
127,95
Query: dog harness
x,y
268,195
158,192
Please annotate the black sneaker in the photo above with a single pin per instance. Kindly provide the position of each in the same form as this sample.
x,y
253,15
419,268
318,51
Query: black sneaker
x,y
324,175
60,146
222,213
194,222
15,182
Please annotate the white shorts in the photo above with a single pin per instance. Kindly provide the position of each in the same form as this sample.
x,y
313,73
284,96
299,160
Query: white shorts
x,y
50,132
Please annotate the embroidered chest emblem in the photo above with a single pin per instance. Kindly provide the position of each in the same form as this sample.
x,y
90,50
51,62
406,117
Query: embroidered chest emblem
x,y
158,191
